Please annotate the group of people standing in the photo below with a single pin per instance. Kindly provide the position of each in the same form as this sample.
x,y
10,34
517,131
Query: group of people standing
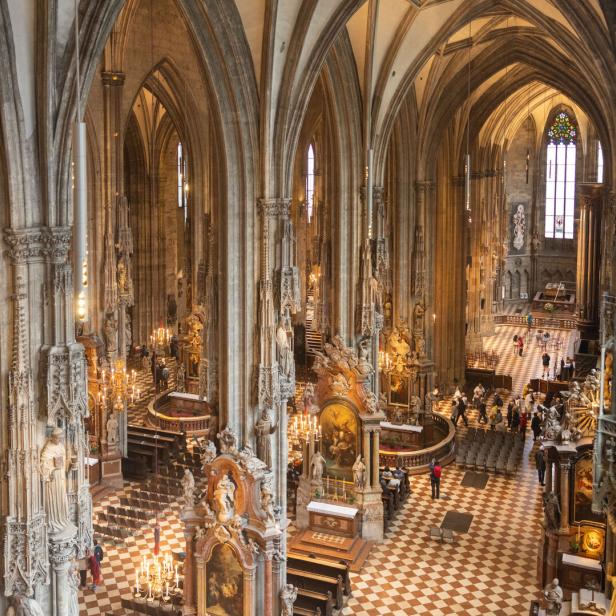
x,y
91,562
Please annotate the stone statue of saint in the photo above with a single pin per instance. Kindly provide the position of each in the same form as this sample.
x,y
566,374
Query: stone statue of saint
x,y
519,227
285,352
554,597
24,606
74,582
53,472
263,430
180,378
551,510
112,430
359,473
288,594
188,487
310,405
317,466
267,505
224,495
418,318
110,329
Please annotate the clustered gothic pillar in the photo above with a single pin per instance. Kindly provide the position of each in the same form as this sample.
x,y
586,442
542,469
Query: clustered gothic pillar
x,y
590,205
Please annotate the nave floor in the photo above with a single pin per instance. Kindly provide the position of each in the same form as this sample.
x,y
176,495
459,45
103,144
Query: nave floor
x,y
489,571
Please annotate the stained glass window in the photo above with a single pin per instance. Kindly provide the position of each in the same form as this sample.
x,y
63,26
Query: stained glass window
x,y
310,182
560,177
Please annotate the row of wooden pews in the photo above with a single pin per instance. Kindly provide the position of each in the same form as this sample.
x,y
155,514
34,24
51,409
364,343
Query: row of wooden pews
x,y
321,584
396,487
149,448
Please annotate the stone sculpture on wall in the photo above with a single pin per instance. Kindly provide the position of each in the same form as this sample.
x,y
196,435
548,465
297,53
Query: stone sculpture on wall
x,y
285,352
53,471
111,333
224,495
288,595
24,606
188,488
112,431
359,473
264,429
519,227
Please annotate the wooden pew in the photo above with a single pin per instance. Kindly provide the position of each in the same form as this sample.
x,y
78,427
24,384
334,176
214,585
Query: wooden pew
x,y
170,442
181,438
319,583
321,566
311,600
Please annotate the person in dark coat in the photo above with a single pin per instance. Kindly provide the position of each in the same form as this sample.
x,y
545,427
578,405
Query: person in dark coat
x,y
515,420
540,463
462,412
509,413
535,426
483,415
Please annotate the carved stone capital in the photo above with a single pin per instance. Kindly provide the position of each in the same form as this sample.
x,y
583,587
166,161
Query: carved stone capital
x,y
61,550
25,245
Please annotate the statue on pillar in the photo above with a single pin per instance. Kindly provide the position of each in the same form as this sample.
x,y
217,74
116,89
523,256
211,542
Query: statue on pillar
x,y
180,378
224,495
554,598
110,329
188,489
285,352
288,594
551,511
112,431
24,606
317,466
74,581
263,430
53,472
359,473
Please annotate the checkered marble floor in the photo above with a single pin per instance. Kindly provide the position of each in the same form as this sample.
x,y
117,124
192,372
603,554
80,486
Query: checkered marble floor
x,y
488,571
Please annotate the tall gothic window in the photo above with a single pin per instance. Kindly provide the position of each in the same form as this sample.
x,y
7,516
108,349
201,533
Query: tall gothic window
x,y
181,174
310,181
560,177
599,162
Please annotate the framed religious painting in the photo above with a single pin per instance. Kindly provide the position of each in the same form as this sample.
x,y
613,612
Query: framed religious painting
x,y
225,583
581,492
399,390
340,440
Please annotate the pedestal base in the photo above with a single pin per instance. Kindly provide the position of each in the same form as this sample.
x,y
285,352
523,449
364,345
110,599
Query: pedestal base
x,y
371,507
111,469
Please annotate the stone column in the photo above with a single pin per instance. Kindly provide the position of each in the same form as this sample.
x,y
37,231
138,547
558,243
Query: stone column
x,y
548,475
564,497
375,458
366,450
590,204
61,553
188,589
268,585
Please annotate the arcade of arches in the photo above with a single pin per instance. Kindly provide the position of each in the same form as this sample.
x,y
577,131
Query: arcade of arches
x,y
307,307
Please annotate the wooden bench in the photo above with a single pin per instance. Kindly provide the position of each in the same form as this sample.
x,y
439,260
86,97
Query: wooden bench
x,y
319,583
179,436
321,566
302,611
170,442
315,601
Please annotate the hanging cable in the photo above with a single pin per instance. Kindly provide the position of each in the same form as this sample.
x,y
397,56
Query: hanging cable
x,y
467,157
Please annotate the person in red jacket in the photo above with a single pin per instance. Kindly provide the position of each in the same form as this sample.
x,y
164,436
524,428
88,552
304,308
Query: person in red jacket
x,y
435,478
523,423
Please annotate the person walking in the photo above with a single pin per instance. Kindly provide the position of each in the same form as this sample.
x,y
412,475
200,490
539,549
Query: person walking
x,y
95,570
515,420
98,552
523,424
545,362
454,412
462,411
535,426
520,345
83,572
435,478
483,415
510,414
529,321
515,344
540,463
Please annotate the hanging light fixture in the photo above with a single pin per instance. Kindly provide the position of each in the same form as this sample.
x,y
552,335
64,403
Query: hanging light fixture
x,y
467,157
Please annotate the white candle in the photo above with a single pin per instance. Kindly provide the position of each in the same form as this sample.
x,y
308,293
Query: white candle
x,y
177,578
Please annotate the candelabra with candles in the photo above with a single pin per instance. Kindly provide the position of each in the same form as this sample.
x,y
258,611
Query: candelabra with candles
x,y
385,362
159,339
157,579
304,427
118,388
